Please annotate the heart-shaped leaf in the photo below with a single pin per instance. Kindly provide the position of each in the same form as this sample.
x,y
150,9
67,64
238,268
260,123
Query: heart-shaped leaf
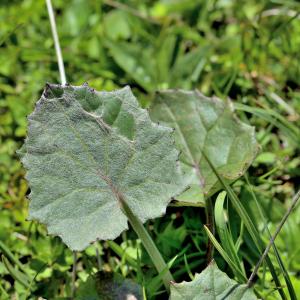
x,y
87,153
211,284
209,126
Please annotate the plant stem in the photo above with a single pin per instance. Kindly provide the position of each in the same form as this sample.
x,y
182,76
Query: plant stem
x,y
56,43
272,239
74,270
209,211
157,259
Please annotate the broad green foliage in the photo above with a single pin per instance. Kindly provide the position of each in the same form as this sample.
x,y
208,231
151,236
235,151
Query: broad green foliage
x,y
109,286
209,126
86,154
211,284
245,50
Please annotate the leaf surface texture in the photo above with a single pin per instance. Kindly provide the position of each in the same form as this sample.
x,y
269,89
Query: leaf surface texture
x,y
209,126
211,284
87,152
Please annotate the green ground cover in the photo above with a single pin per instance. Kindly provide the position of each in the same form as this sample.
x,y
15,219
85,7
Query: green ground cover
x,y
247,51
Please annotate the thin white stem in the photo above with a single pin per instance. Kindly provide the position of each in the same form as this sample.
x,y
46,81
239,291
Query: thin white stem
x,y
56,43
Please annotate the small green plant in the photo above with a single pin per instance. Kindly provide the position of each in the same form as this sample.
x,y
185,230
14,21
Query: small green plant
x,y
172,179
95,160
104,162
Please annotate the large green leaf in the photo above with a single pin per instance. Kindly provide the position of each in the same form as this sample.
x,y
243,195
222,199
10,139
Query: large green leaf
x,y
89,152
209,126
211,284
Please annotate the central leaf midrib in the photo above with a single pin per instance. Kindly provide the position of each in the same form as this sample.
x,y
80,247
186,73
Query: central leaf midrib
x,y
194,163
171,114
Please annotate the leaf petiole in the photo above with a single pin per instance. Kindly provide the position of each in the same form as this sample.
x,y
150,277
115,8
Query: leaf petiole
x,y
149,245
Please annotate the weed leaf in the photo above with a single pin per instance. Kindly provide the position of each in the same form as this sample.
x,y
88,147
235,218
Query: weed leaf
x,y
87,154
206,125
209,285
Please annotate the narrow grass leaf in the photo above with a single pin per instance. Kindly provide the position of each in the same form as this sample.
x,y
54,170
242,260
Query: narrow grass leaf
x,y
17,275
255,235
226,256
277,254
225,235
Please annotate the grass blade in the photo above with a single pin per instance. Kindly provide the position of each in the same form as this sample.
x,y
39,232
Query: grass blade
x,y
122,253
17,275
6,251
274,118
226,236
277,255
156,282
272,239
3,293
224,254
249,225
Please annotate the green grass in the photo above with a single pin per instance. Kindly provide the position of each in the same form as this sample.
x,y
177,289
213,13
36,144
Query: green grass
x,y
247,51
